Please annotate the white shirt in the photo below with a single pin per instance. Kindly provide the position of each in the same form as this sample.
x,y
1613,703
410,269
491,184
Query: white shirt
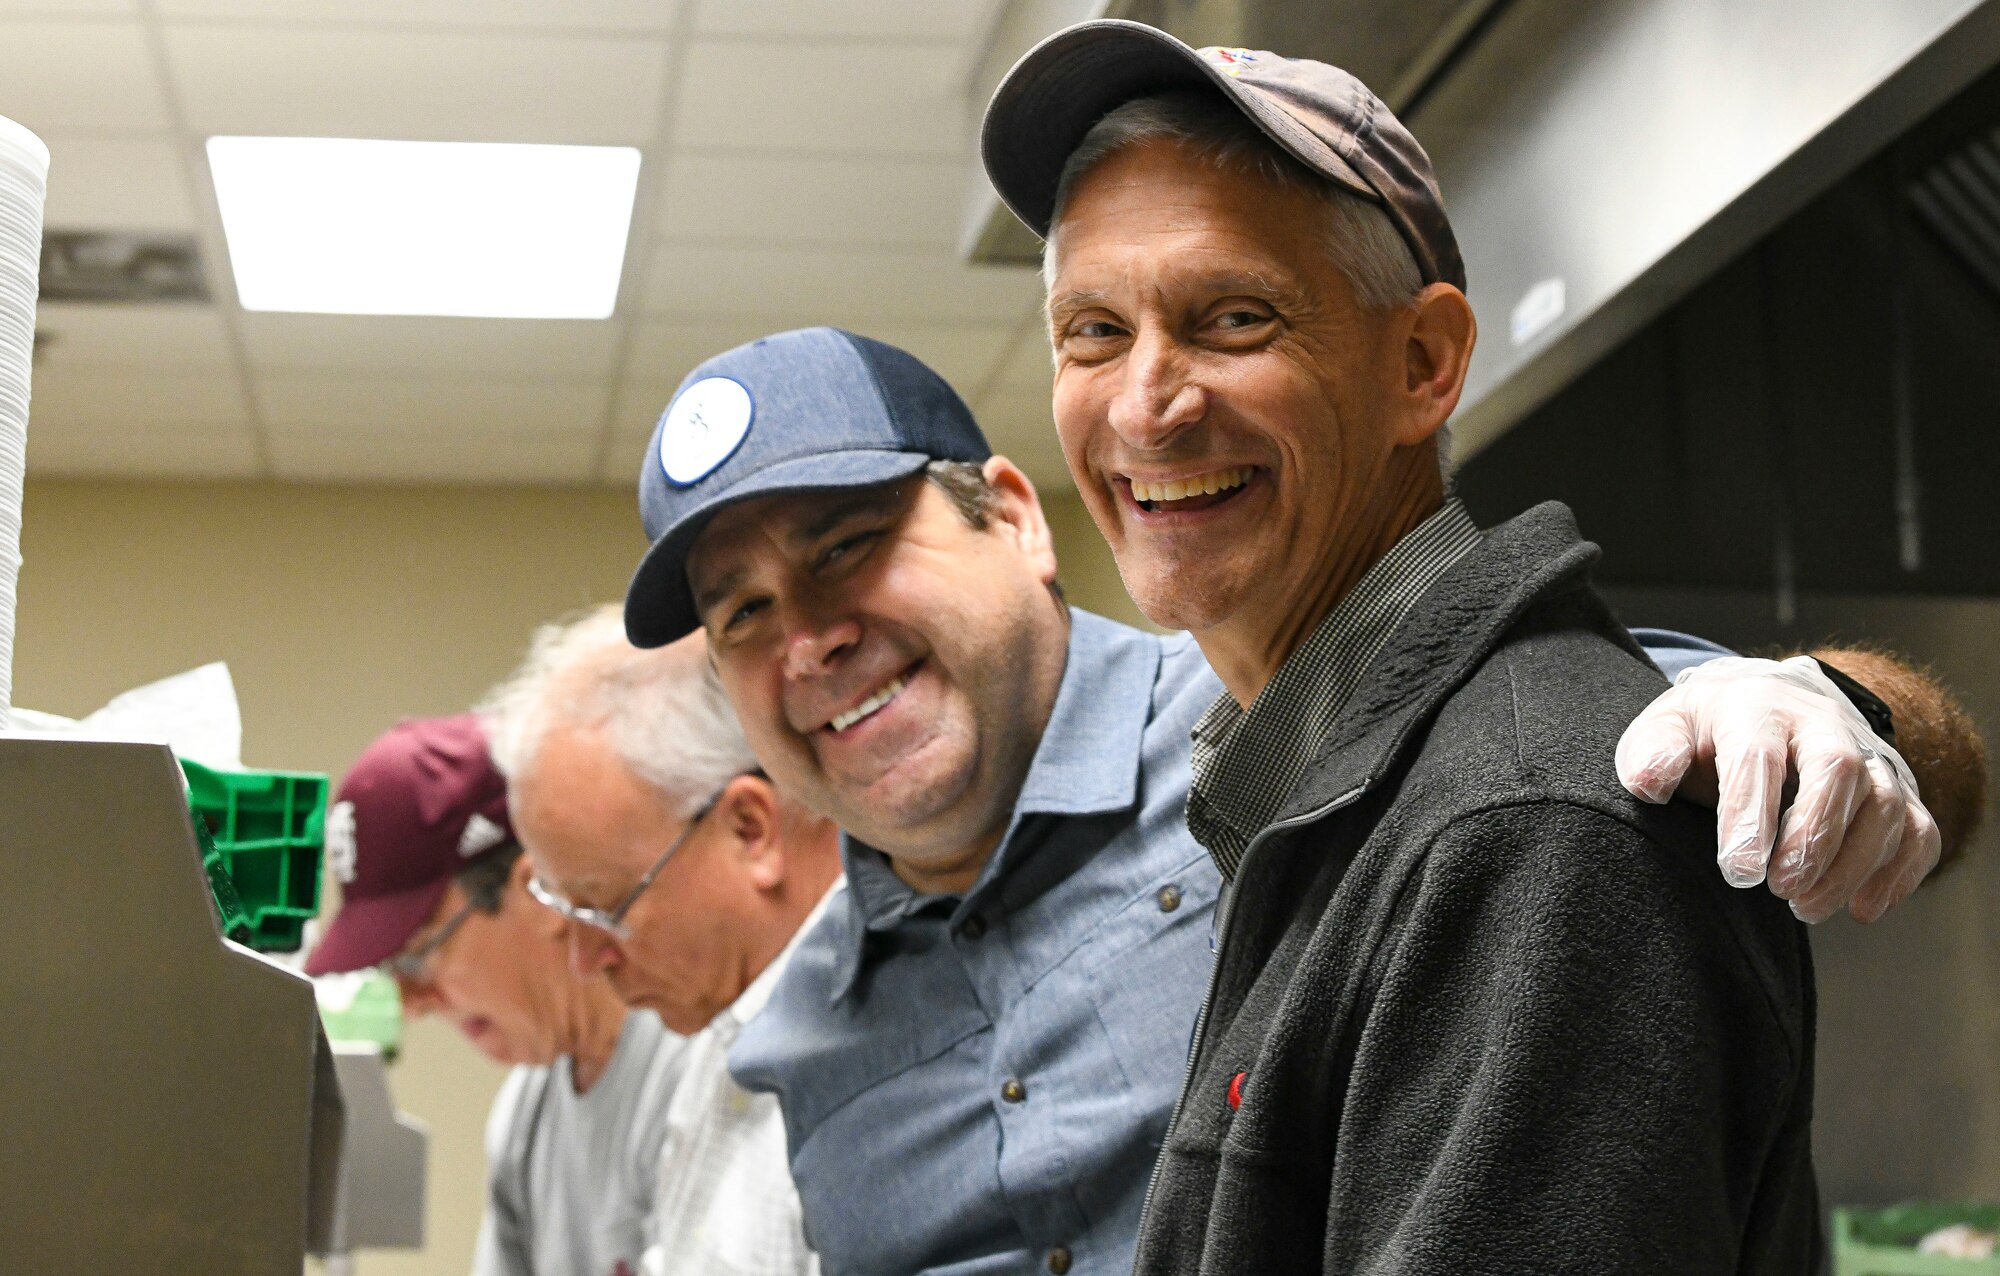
x,y
572,1179
727,1206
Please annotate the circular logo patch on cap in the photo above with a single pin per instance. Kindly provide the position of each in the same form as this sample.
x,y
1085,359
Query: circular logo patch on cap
x,y
703,428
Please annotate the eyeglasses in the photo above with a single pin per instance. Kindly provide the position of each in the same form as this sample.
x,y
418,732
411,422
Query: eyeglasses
x,y
416,963
613,922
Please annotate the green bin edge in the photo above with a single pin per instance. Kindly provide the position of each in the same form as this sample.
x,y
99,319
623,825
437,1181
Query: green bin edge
x,y
1861,1246
266,925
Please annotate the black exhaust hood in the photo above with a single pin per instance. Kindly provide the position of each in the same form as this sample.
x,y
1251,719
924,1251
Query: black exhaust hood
x,y
1805,395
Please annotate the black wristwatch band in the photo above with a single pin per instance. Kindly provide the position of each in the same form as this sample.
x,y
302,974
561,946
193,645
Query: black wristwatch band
x,y
1862,698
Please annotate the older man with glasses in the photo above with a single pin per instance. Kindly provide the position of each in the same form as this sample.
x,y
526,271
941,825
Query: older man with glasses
x,y
687,879
435,891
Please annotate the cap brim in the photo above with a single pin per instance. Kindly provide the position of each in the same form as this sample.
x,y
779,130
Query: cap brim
x,y
1070,81
659,607
367,932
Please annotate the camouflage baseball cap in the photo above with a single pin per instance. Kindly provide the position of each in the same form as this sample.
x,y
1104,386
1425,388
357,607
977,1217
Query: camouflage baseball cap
x,y
1320,115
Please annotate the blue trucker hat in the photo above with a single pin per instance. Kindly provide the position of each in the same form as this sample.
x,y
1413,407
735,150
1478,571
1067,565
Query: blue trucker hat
x,y
800,411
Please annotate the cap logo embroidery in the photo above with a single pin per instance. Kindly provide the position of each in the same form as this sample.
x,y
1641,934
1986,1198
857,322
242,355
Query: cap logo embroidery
x,y
703,428
481,834
1232,59
340,842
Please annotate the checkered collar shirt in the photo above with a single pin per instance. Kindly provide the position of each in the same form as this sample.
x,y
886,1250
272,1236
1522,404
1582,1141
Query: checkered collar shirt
x,y
1247,762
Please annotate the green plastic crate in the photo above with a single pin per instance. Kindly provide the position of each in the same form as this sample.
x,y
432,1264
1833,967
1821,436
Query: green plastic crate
x,y
1884,1242
265,831
362,1005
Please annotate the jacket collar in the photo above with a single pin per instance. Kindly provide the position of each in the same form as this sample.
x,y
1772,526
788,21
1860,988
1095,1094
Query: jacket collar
x,y
1450,631
1087,763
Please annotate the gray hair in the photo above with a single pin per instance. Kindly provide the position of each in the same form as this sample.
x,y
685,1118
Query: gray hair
x,y
663,712
1359,236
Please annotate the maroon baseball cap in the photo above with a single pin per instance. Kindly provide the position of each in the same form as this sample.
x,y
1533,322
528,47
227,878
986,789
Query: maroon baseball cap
x,y
420,804
1319,114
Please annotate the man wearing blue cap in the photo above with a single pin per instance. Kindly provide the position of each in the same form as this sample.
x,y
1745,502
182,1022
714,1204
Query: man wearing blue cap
x,y
994,1017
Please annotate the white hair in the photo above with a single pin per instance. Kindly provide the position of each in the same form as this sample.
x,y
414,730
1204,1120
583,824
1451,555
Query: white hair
x,y
1359,236
663,712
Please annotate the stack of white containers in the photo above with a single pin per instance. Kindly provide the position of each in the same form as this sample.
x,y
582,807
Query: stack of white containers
x,y
24,173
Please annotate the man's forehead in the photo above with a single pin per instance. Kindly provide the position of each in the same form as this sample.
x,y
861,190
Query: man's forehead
x,y
790,519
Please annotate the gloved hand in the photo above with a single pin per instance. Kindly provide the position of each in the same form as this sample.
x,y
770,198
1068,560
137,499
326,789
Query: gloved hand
x,y
1740,734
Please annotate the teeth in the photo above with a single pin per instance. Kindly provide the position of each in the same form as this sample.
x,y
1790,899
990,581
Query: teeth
x,y
1199,485
842,721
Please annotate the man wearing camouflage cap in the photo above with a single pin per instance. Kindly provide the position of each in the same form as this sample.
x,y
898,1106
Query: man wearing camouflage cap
x,y
1474,1006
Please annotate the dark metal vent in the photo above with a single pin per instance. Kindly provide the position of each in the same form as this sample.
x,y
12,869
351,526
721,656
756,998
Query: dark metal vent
x,y
1959,200
114,267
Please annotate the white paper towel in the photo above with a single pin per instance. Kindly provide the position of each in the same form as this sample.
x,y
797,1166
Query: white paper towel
x,y
24,173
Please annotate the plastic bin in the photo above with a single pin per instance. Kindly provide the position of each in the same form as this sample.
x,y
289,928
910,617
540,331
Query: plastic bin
x,y
1883,1242
362,1006
267,830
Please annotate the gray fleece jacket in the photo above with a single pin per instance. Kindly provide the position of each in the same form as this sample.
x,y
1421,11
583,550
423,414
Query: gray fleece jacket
x,y
1477,1010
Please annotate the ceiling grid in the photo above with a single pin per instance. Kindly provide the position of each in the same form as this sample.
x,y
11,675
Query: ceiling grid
x,y
803,162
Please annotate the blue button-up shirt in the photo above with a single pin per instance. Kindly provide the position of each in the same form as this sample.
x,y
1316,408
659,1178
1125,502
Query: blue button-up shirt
x,y
970,1084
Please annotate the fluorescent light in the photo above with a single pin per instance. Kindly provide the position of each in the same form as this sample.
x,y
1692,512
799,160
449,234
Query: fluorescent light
x,y
342,226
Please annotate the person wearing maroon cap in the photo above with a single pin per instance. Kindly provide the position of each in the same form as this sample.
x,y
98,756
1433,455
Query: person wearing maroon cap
x,y
433,888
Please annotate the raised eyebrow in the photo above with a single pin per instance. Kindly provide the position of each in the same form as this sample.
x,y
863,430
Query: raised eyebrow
x,y
1077,299
872,501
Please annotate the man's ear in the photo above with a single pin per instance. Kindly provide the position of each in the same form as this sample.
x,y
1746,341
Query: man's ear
x,y
1018,514
1438,333
546,920
747,814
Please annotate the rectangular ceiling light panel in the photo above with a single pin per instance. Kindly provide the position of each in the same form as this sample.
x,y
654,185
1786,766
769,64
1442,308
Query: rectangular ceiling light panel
x,y
344,226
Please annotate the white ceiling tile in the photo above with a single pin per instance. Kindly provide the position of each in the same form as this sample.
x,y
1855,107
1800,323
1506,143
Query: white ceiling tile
x,y
69,8
164,452
623,457
79,75
1017,424
904,203
361,406
98,183
171,337
1027,364
387,343
101,399
422,85
822,98
437,456
818,19
597,15
851,288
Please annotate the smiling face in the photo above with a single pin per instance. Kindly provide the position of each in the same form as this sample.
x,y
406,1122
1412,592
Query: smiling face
x,y
494,978
1241,429
892,665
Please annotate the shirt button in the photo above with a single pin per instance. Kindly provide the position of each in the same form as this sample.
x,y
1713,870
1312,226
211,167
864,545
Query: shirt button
x,y
1170,898
1059,1260
1013,1091
974,928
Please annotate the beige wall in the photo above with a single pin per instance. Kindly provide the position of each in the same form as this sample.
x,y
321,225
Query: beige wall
x,y
339,610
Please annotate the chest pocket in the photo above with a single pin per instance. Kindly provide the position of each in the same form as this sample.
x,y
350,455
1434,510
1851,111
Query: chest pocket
x,y
1148,985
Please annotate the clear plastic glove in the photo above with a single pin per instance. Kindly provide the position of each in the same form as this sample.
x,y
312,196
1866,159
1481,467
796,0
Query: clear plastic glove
x,y
1742,734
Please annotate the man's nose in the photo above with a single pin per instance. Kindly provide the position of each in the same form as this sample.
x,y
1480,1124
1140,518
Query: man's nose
x,y
814,641
1157,396
420,996
591,951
